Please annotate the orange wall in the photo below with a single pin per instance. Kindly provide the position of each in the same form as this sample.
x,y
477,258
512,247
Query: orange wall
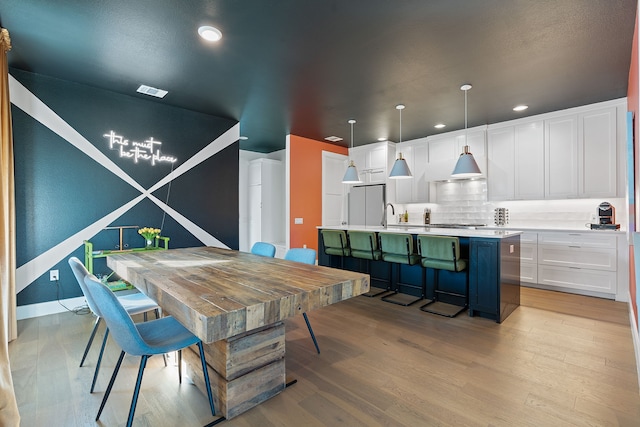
x,y
633,106
305,188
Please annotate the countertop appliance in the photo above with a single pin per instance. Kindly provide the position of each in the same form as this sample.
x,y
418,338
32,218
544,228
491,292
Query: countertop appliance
x,y
606,217
367,205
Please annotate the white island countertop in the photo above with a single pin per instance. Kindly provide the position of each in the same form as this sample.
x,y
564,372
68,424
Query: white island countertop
x,y
458,232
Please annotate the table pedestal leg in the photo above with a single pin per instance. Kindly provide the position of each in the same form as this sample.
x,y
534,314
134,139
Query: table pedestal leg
x,y
244,370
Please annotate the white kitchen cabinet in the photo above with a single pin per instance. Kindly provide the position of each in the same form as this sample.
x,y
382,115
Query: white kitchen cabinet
x,y
444,150
580,262
373,161
266,201
416,189
516,162
581,155
529,257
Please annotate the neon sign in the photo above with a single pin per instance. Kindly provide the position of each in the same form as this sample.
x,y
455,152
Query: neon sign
x,y
148,151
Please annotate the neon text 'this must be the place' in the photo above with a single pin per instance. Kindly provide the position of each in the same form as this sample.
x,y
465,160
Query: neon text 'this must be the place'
x,y
148,151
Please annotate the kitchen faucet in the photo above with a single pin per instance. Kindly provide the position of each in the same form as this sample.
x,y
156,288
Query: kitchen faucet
x,y
384,214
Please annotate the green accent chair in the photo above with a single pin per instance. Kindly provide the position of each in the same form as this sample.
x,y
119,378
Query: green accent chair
x,y
336,243
443,253
398,248
364,245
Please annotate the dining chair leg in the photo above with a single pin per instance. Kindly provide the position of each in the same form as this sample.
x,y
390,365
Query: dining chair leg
x,y
205,372
180,366
95,374
313,336
136,390
93,334
111,381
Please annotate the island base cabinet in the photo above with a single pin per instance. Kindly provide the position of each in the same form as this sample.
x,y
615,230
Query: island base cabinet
x,y
244,371
494,277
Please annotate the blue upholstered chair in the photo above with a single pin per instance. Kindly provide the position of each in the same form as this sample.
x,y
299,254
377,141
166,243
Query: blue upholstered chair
x,y
133,303
263,249
306,256
145,339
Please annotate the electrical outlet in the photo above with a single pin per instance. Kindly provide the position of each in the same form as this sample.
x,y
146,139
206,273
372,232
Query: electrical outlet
x,y
54,275
593,218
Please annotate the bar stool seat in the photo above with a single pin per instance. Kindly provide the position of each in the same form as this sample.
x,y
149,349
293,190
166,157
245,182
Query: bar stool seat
x,y
336,243
364,245
398,248
443,253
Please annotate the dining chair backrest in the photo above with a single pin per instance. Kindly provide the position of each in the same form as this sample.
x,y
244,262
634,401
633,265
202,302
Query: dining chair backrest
x,y
304,255
80,271
119,322
263,249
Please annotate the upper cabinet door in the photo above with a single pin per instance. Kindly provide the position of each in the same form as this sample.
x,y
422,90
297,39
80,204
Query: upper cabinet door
x,y
561,157
529,161
404,187
500,163
377,164
443,154
598,155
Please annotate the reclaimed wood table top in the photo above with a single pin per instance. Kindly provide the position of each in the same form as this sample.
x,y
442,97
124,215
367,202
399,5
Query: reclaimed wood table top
x,y
219,293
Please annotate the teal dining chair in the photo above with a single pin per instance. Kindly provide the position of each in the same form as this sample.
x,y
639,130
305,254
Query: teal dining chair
x,y
145,339
133,303
306,256
263,249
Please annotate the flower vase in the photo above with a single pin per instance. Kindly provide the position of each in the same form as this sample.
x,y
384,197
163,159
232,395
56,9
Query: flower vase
x,y
148,244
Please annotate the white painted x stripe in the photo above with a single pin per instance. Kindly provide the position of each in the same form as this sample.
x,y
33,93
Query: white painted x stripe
x,y
22,98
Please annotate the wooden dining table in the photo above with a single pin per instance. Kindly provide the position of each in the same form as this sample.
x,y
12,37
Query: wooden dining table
x,y
236,302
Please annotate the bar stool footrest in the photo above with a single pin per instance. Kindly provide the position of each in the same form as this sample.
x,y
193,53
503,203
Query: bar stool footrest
x,y
442,308
374,292
401,299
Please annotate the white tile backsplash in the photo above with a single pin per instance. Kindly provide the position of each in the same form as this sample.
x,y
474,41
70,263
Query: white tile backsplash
x,y
465,201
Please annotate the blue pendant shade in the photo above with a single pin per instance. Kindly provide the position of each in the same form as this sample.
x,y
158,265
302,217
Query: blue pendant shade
x,y
351,175
466,167
400,169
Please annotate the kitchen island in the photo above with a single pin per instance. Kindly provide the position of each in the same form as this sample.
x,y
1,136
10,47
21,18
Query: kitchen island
x,y
493,269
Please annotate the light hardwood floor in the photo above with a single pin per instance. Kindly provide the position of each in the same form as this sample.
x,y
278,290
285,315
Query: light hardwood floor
x,y
558,360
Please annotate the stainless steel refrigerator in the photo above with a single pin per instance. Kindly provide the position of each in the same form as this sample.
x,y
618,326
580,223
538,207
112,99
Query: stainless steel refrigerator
x,y
367,205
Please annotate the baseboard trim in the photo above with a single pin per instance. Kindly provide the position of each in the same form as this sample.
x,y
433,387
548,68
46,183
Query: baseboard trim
x,y
49,307
636,339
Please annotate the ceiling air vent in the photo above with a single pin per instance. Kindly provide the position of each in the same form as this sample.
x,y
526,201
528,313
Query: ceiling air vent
x,y
148,90
333,138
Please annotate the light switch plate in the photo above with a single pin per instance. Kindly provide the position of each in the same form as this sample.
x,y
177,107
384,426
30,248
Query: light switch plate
x,y
298,221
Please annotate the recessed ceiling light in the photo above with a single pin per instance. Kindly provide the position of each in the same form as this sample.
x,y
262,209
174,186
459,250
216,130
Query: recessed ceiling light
x,y
148,90
520,107
333,138
209,33
382,138
243,138
440,126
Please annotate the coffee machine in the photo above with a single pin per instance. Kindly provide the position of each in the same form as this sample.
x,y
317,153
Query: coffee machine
x,y
606,217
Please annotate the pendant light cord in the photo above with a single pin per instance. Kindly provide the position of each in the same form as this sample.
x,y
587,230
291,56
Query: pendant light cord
x,y
400,124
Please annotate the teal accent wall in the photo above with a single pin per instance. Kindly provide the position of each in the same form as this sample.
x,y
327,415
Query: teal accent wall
x,y
62,190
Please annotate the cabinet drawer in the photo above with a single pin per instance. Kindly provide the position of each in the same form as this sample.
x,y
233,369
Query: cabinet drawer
x,y
528,237
583,240
528,272
575,278
528,252
599,259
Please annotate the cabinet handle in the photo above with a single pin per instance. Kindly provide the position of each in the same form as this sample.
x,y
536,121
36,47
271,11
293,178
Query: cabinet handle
x,y
577,247
575,268
376,172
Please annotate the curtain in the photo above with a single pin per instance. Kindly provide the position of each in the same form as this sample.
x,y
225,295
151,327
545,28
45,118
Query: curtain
x,y
9,415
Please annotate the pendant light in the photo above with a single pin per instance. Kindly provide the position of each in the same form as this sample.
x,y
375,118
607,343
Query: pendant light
x,y
466,167
400,168
351,175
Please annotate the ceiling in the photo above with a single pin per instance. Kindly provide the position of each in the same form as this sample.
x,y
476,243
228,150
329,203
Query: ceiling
x,y
308,66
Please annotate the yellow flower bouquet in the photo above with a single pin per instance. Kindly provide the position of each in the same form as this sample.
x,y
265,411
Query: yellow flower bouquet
x,y
149,234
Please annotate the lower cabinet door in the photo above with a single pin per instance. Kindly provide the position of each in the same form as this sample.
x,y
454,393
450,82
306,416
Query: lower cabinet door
x,y
484,276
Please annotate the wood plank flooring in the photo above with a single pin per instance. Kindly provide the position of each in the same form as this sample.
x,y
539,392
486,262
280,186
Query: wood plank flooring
x,y
558,360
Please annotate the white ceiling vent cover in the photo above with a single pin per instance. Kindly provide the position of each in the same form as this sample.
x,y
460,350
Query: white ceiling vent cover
x,y
148,90
333,138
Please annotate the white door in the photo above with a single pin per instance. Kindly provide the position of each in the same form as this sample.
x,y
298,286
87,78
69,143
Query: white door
x,y
334,194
